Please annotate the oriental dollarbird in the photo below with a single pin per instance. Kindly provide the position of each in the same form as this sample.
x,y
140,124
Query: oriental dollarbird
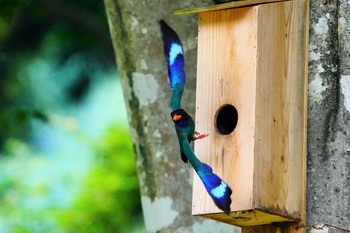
x,y
219,191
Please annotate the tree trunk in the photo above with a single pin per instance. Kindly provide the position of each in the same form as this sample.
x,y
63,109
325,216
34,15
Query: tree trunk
x,y
328,173
166,182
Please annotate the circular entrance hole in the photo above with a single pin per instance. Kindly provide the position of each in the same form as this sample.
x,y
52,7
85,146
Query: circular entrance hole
x,y
226,119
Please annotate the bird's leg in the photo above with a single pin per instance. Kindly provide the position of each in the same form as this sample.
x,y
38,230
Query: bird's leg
x,y
197,135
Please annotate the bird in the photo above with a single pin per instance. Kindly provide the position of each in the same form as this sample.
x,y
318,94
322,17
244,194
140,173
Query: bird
x,y
219,191
217,188
174,55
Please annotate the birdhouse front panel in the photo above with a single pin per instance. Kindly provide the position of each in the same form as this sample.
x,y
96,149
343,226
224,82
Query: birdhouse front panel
x,y
225,80
251,100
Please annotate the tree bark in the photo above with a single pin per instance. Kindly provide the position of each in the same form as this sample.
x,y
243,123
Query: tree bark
x,y
166,182
328,174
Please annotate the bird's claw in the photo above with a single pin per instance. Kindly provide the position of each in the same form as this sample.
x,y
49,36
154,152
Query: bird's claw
x,y
197,135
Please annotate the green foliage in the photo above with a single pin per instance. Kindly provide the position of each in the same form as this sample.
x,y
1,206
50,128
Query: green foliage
x,y
9,7
54,55
26,202
109,200
66,42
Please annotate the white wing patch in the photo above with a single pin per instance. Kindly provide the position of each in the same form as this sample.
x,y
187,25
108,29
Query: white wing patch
x,y
220,190
175,50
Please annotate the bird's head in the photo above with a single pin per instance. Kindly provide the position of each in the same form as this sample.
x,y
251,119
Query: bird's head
x,y
180,117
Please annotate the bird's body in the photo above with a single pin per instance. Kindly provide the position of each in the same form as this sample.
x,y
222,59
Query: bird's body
x,y
219,191
184,130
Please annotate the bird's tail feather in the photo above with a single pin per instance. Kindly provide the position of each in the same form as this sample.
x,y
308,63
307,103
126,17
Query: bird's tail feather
x,y
219,191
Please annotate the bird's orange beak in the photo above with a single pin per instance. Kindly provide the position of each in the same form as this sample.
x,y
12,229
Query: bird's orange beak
x,y
176,117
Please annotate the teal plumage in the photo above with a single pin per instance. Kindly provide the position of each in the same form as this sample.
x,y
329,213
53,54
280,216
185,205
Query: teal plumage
x,y
219,191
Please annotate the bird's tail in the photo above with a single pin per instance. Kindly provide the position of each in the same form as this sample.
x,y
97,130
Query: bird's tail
x,y
219,191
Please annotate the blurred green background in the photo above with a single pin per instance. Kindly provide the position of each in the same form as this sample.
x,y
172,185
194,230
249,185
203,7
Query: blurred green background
x,y
66,160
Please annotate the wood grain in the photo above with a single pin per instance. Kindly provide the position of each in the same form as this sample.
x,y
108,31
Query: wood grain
x,y
222,79
254,58
224,6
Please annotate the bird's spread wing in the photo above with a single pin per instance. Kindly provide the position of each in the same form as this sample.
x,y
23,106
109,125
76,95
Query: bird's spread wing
x,y
174,57
219,191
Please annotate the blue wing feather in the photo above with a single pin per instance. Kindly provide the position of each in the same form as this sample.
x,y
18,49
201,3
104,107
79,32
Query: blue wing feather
x,y
218,190
174,57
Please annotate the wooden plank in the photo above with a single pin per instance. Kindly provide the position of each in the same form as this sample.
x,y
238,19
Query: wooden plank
x,y
279,112
280,127
296,48
275,228
248,218
226,44
224,6
263,229
300,22
255,58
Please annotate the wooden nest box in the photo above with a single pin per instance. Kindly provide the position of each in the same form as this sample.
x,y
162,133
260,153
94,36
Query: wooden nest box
x,y
252,100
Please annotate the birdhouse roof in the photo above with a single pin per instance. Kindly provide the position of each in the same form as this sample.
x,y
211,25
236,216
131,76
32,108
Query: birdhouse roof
x,y
224,6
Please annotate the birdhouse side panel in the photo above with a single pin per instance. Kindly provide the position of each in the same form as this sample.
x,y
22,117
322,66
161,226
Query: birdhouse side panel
x,y
280,111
